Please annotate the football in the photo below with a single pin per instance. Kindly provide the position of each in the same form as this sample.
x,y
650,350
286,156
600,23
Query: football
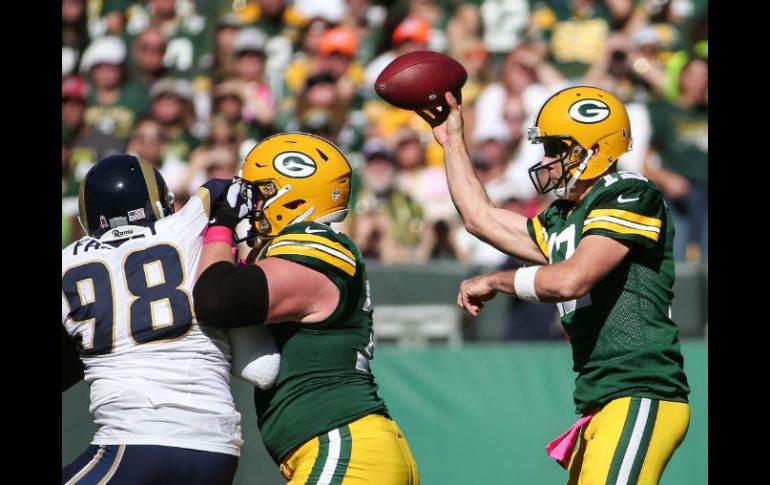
x,y
418,80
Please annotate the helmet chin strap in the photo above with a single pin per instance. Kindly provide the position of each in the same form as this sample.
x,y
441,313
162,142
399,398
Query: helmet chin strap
x,y
563,193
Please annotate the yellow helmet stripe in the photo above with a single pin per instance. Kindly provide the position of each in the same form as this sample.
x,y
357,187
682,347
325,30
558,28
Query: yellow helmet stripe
x,y
626,215
148,172
82,206
540,235
312,252
300,238
205,196
621,229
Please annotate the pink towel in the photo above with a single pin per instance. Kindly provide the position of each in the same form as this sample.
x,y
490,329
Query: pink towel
x,y
561,448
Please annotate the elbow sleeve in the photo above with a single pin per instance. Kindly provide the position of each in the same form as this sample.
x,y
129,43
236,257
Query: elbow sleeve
x,y
228,297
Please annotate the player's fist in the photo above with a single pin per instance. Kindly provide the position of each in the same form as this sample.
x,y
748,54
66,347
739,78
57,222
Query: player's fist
x,y
236,205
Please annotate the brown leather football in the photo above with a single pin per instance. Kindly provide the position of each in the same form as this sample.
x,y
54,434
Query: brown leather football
x,y
418,80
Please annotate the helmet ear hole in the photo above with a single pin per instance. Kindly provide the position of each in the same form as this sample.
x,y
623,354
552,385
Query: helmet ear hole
x,y
279,217
294,204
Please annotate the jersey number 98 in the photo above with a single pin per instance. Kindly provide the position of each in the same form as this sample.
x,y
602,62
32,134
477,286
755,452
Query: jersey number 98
x,y
159,308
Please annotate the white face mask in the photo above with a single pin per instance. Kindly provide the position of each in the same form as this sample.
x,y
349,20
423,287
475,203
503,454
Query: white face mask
x,y
566,152
564,191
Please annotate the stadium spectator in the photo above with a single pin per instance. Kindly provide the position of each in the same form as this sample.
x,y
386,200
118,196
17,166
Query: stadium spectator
x,y
310,40
424,183
490,161
441,242
147,58
678,159
575,31
326,340
73,106
367,21
385,223
228,103
69,192
463,29
527,79
258,103
334,57
227,29
475,60
113,104
111,20
319,107
74,34
147,141
503,23
215,158
275,18
85,144
604,254
189,49
172,107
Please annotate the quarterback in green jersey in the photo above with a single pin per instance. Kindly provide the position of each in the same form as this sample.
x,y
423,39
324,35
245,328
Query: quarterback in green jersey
x,y
603,254
323,421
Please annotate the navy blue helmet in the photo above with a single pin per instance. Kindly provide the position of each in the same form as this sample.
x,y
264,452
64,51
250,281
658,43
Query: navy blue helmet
x,y
121,190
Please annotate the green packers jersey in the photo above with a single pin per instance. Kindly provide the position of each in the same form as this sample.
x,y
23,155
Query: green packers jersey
x,y
624,342
324,381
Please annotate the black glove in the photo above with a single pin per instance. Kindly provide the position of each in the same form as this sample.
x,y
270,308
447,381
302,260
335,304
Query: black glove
x,y
234,206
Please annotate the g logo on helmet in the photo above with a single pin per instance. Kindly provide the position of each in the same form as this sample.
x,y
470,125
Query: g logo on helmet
x,y
295,165
589,111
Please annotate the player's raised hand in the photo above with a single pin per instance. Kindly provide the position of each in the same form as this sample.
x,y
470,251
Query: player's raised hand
x,y
446,119
234,206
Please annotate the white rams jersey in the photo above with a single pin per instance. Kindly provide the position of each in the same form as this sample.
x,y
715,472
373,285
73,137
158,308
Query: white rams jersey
x,y
156,378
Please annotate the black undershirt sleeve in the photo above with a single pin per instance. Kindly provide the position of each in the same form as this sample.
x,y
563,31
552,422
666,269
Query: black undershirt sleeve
x,y
228,297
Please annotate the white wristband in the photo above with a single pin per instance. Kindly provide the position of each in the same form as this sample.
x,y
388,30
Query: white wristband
x,y
524,284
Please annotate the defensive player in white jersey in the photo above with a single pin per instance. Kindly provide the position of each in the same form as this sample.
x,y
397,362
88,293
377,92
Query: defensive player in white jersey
x,y
159,385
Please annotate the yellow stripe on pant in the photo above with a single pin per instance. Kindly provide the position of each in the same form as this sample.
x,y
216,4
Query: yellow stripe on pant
x,y
629,441
370,450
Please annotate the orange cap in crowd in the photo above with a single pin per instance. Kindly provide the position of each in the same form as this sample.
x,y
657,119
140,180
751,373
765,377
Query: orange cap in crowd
x,y
340,40
413,29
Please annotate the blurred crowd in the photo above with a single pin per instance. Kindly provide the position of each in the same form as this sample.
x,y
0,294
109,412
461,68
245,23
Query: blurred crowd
x,y
192,85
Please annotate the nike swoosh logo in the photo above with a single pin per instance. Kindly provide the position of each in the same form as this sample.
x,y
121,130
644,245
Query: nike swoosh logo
x,y
622,200
312,231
